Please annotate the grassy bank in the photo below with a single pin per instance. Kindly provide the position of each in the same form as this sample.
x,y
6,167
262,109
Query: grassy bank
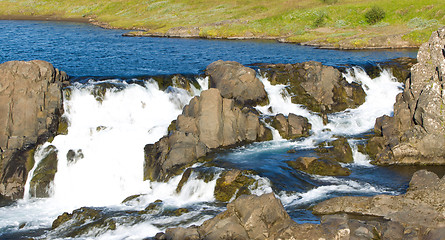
x,y
334,23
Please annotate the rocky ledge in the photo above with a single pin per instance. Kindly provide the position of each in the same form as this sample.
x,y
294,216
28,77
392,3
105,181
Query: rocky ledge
x,y
416,132
30,107
418,214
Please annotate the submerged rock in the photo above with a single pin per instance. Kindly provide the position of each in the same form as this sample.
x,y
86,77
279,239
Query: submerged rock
x,y
416,132
320,88
323,167
30,107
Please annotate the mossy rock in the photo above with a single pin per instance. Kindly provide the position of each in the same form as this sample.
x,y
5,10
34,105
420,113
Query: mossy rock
x,y
185,177
337,150
177,80
323,167
374,146
73,156
171,127
44,174
62,129
153,208
83,221
176,212
132,198
232,182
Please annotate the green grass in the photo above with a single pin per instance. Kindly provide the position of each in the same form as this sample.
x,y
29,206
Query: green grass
x,y
296,20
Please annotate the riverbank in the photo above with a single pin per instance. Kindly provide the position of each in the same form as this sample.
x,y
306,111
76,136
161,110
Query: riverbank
x,y
320,23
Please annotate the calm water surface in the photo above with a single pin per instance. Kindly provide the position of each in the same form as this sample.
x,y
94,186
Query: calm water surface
x,y
85,50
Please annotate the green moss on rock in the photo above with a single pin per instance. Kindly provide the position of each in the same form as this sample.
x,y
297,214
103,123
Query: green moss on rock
x,y
323,167
44,174
232,182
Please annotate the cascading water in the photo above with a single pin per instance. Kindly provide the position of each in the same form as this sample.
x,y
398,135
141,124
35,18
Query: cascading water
x,y
100,160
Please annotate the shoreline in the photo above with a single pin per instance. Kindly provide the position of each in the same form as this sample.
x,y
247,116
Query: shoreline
x,y
186,33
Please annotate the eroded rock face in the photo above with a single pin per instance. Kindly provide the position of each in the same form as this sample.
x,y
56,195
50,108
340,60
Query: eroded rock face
x,y
30,107
320,88
208,122
236,81
416,133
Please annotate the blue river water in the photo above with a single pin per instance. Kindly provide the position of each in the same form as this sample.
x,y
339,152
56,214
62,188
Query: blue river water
x,y
85,50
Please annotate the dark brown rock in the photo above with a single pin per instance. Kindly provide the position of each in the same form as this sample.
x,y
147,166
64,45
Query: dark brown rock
x,y
338,150
31,105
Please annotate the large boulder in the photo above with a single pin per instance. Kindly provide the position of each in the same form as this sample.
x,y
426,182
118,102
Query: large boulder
x,y
416,132
30,108
323,167
208,122
236,82
248,217
320,88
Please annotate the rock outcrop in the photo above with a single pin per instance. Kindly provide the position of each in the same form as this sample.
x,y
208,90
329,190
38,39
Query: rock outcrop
x,y
320,88
416,133
31,104
418,214
210,121
248,217
236,82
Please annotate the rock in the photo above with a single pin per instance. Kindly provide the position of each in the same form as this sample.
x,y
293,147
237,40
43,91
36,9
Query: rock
x,y
40,184
207,123
291,127
399,67
320,88
232,182
236,82
416,132
248,217
324,167
422,205
81,222
338,150
30,108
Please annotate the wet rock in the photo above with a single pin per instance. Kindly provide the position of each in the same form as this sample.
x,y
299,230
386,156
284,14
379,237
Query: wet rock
x,y
207,123
422,205
248,217
40,183
291,127
320,88
323,167
30,107
177,80
236,82
338,150
72,156
233,183
416,132
81,222
399,67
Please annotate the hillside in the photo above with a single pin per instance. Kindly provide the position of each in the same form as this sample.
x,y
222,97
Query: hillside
x,y
328,23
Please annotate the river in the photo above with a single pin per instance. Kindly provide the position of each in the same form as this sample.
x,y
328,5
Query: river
x,y
112,132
